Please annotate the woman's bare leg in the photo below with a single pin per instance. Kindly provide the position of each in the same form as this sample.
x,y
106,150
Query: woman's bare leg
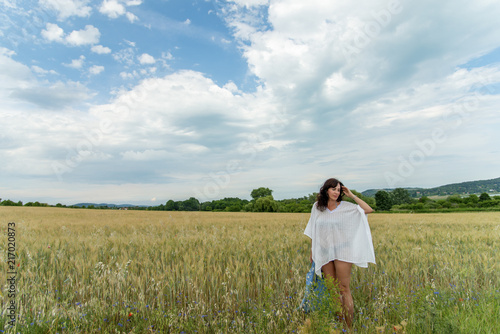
x,y
343,274
330,274
329,270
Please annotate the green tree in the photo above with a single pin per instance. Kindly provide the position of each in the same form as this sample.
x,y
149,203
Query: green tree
x,y
424,199
249,207
312,197
8,202
369,200
484,197
206,206
171,206
401,196
191,204
265,204
455,199
486,203
471,200
261,192
383,200
446,205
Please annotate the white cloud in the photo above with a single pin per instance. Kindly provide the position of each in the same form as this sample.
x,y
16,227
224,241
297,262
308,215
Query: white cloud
x,y
146,59
126,75
95,69
329,54
38,70
76,63
251,3
133,2
147,155
41,71
179,107
193,148
53,33
112,8
89,35
433,102
187,22
20,90
57,96
13,75
100,49
68,8
167,122
126,56
231,86
6,52
167,56
131,17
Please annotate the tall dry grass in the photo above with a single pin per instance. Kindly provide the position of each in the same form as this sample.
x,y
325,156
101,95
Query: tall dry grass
x,y
109,271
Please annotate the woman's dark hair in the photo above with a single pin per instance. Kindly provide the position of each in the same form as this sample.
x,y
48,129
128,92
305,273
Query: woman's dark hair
x,y
322,197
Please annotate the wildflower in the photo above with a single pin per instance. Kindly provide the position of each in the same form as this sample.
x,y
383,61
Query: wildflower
x,y
460,299
130,314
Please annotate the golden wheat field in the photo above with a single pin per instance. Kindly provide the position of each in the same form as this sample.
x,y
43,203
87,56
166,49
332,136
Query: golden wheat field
x,y
112,271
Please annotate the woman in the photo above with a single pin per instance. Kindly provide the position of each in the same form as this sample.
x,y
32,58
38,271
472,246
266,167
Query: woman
x,y
340,236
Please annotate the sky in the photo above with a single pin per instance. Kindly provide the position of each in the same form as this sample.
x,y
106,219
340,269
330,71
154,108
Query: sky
x,y
139,102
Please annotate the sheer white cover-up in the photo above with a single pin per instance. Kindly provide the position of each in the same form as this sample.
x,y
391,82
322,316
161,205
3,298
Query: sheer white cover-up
x,y
342,234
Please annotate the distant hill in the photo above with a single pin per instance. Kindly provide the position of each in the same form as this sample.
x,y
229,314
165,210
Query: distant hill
x,y
471,187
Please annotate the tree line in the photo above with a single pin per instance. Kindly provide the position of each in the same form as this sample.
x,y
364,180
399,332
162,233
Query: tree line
x,y
262,201
400,200
397,200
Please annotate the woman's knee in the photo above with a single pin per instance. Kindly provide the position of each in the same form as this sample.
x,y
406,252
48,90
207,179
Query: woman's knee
x,y
344,287
328,270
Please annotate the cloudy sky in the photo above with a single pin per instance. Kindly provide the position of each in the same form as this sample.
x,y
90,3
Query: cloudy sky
x,y
132,101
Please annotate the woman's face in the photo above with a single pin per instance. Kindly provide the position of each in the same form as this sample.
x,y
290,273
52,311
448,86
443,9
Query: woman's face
x,y
334,193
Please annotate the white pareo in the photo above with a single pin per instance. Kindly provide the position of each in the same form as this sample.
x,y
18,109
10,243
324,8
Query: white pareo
x,y
342,234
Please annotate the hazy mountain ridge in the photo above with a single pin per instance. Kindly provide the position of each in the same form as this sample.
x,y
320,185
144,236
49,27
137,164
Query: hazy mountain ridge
x,y
463,188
